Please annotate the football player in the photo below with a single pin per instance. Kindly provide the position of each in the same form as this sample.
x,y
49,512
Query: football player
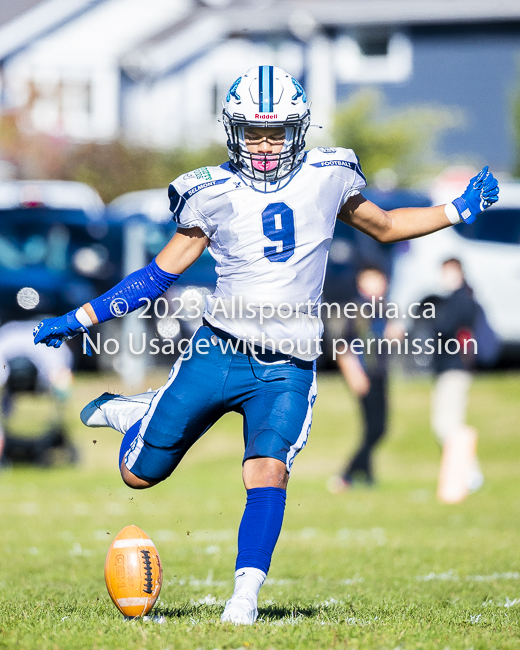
x,y
267,216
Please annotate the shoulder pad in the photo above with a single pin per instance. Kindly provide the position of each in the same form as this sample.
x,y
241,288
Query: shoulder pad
x,y
197,181
333,157
200,179
342,164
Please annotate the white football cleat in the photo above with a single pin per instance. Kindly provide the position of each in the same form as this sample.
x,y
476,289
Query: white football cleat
x,y
476,480
117,411
240,610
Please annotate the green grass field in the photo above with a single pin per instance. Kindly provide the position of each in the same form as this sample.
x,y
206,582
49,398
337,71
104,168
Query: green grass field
x,y
380,568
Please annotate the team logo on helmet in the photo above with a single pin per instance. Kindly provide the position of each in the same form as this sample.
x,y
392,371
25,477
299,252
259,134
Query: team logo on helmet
x,y
300,92
233,91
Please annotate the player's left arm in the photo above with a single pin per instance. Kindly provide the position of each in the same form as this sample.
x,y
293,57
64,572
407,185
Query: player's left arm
x,y
409,223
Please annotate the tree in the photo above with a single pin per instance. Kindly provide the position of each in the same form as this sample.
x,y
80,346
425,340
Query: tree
x,y
402,141
111,168
116,167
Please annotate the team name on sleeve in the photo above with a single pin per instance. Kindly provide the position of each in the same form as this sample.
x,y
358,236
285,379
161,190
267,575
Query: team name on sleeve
x,y
340,163
178,201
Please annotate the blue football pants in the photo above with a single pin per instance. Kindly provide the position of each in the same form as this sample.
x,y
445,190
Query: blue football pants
x,y
275,401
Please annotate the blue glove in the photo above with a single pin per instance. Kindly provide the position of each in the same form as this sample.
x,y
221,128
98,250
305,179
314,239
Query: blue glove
x,y
480,194
53,331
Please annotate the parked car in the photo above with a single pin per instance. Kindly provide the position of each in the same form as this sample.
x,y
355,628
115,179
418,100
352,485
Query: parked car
x,y
489,250
57,250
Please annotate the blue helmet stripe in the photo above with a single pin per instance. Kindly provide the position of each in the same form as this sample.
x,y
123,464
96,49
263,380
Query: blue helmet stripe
x,y
265,81
271,89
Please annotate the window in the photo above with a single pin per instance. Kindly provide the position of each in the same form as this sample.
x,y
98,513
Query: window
x,y
502,227
76,97
372,56
60,105
373,44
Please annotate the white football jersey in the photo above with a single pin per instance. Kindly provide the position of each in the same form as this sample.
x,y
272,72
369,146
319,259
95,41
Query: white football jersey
x,y
270,247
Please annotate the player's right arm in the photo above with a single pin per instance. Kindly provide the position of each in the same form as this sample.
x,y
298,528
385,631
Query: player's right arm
x,y
190,203
183,250
185,247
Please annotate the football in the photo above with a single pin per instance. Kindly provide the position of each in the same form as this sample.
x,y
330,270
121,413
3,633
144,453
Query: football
x,y
133,572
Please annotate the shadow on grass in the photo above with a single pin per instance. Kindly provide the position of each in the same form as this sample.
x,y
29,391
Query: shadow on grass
x,y
189,611
279,612
269,612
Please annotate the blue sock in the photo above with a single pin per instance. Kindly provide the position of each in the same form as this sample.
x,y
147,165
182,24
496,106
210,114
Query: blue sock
x,y
128,439
260,527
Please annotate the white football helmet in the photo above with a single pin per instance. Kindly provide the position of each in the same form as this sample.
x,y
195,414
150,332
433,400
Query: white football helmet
x,y
266,96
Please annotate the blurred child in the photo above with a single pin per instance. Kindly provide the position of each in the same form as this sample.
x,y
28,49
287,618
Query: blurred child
x,y
457,313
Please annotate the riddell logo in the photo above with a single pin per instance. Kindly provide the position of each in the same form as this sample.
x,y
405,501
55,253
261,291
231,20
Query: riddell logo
x,y
267,116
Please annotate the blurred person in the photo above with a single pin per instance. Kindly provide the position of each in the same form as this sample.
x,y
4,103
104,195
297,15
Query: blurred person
x,y
26,369
367,377
268,217
457,316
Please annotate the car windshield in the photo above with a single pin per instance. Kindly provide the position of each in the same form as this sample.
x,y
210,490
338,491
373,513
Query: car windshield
x,y
499,225
54,240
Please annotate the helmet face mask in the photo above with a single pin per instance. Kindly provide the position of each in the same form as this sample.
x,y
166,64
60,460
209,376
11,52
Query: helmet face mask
x,y
266,97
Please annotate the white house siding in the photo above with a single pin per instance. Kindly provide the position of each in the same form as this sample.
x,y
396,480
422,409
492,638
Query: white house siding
x,y
70,78
150,70
179,108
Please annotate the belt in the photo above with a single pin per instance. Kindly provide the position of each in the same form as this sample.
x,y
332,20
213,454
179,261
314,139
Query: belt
x,y
257,353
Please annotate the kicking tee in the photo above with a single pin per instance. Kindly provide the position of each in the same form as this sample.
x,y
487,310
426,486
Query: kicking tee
x,y
270,247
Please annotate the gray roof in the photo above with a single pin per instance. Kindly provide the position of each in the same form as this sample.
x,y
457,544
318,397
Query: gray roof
x,y
10,9
205,26
38,19
357,12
